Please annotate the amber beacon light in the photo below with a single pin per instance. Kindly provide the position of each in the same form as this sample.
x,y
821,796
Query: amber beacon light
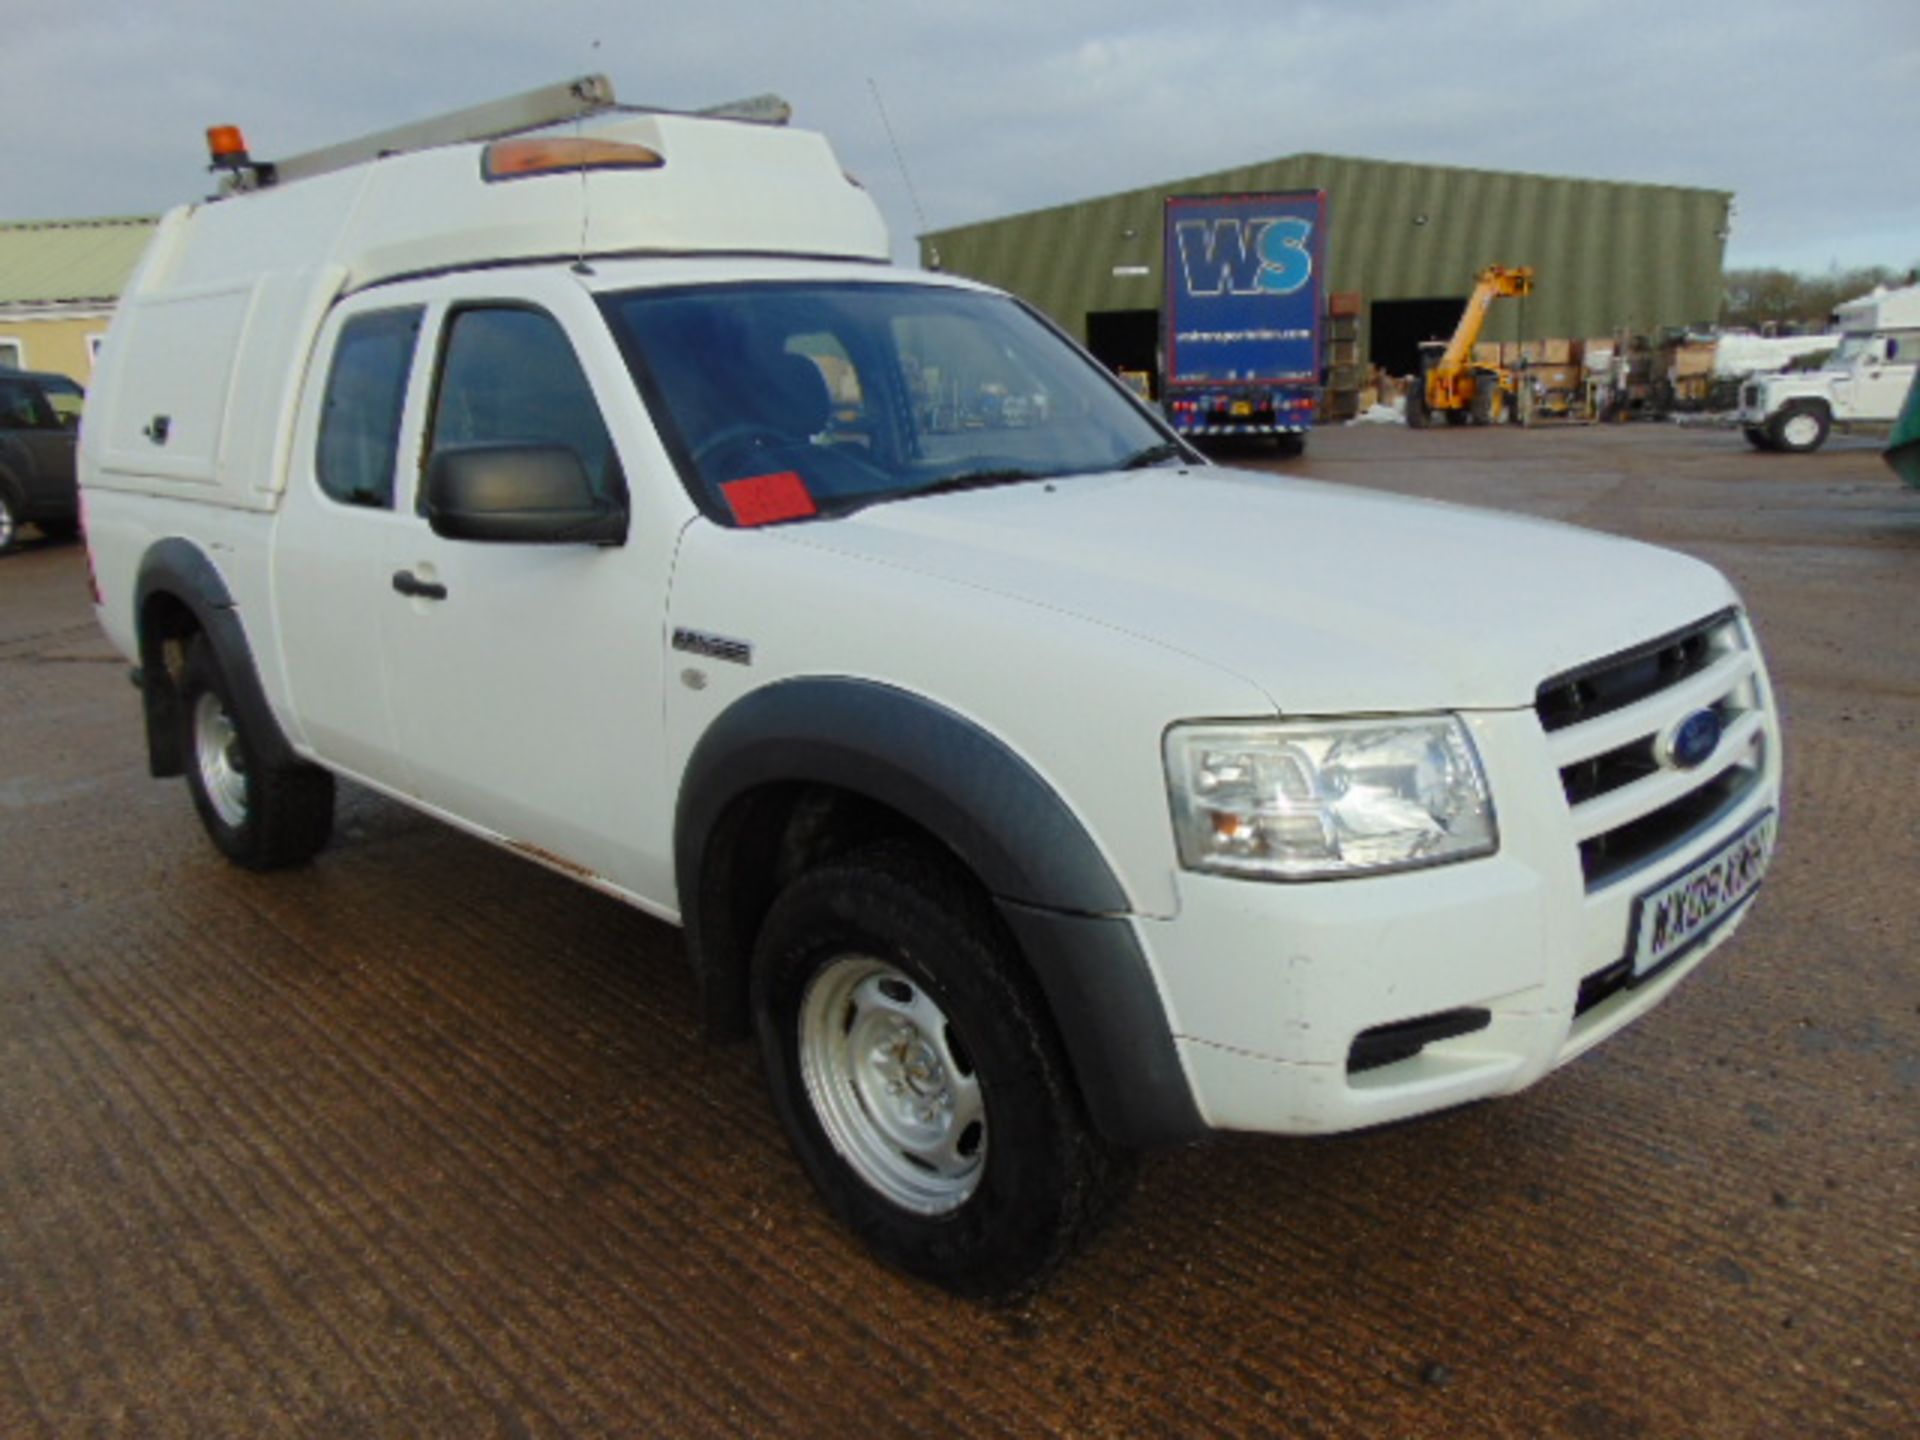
x,y
227,147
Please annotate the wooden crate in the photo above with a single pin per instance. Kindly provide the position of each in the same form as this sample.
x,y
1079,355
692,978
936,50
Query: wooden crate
x,y
1693,359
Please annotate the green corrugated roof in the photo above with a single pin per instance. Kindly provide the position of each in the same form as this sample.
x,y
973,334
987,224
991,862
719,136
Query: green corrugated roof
x,y
1606,253
53,262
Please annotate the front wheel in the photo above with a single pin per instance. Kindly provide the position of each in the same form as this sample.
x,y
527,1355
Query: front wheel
x,y
260,815
1799,428
1417,412
917,1076
1487,406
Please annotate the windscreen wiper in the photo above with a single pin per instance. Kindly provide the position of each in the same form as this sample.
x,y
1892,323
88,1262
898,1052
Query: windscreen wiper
x,y
1154,455
971,480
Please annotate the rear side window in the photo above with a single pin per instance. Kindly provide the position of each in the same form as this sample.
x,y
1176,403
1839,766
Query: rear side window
x,y
509,376
360,420
21,407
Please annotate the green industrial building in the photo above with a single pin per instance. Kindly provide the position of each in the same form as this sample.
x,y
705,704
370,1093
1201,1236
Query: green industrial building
x,y
1408,239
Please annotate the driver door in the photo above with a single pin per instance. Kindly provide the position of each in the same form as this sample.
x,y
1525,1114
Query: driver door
x,y
526,678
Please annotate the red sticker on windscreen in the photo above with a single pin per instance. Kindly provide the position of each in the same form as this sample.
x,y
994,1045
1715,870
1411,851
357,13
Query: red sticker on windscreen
x,y
765,499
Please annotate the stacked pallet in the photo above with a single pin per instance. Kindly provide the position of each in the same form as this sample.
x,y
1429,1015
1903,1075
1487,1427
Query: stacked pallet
x,y
1346,376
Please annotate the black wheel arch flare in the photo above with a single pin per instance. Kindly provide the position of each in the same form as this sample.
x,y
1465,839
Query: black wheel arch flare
x,y
176,574
998,816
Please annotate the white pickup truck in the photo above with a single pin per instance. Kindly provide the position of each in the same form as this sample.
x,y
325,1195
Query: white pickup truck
x,y
1035,790
1863,383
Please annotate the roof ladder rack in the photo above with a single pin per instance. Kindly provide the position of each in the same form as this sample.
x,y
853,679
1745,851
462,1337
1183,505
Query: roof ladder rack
x,y
549,105
515,114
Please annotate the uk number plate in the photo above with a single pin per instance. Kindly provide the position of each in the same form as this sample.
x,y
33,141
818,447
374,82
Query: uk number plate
x,y
1692,904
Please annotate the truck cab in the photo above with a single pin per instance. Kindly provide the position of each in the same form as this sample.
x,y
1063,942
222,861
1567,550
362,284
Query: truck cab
x,y
1861,384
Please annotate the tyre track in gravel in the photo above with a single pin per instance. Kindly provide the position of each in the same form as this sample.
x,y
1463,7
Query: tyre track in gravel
x,y
447,1126
199,1066
519,1121
503,1126
401,1225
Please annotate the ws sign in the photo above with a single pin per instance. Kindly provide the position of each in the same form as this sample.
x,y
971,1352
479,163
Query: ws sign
x,y
1243,286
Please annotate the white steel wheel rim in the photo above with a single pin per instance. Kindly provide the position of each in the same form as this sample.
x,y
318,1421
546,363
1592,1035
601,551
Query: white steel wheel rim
x,y
223,771
892,1085
6,523
1800,429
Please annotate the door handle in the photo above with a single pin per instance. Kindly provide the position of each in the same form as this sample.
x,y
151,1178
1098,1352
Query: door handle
x,y
407,583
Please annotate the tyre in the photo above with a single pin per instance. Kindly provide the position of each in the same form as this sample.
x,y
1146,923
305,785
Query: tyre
x,y
1418,416
59,529
1799,428
9,522
1486,399
261,816
917,1075
1757,437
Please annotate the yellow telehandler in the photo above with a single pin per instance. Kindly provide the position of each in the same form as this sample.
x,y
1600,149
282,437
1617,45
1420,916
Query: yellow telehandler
x,y
1450,383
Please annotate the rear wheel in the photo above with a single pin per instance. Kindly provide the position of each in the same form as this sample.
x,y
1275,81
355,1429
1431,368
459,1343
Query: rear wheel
x,y
1486,399
262,816
917,1076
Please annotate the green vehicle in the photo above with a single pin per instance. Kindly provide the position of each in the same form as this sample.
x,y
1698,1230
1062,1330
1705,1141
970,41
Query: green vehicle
x,y
1903,450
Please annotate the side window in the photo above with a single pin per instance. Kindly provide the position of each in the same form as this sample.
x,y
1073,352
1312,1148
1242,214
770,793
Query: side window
x,y
508,376
16,406
360,417
23,406
65,401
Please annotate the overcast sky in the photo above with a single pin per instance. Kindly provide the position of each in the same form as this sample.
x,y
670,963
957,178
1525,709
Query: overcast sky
x,y
1809,110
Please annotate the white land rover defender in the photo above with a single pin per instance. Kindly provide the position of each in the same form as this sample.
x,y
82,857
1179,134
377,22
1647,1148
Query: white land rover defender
x,y
1034,790
1863,383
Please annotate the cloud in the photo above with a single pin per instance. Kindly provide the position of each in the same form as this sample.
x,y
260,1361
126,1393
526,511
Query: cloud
x,y
1001,106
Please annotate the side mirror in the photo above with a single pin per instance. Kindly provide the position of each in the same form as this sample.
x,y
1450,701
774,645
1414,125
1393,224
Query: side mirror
x,y
519,495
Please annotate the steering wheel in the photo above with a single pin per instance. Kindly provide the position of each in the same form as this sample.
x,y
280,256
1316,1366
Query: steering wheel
x,y
741,432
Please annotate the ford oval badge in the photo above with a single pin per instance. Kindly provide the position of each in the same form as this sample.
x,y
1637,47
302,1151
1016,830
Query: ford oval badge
x,y
1692,742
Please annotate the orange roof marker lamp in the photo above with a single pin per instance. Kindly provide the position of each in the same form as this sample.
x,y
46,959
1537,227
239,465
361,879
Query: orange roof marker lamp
x,y
519,159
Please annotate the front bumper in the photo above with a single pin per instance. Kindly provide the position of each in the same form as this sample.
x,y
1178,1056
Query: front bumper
x,y
1268,986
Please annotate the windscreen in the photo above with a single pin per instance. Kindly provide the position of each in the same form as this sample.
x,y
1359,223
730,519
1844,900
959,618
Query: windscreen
x,y
785,401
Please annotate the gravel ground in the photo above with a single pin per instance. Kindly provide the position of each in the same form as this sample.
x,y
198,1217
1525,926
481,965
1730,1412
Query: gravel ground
x,y
422,1140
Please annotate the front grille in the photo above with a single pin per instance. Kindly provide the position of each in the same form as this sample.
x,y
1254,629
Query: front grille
x,y
1608,722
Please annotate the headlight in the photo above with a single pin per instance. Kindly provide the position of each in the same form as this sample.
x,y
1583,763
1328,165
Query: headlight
x,y
1303,800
